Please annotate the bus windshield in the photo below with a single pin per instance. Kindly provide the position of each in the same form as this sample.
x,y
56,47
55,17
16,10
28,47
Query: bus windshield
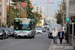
x,y
22,26
25,25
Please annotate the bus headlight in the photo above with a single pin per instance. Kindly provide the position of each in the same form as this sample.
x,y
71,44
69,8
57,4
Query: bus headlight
x,y
0,33
29,32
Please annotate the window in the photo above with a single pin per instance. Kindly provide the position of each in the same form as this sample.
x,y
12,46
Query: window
x,y
71,29
74,29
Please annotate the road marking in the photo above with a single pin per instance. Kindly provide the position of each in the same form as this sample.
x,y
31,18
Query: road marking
x,y
14,44
2,47
3,40
17,42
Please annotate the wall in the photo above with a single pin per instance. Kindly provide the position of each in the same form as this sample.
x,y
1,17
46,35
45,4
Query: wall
x,y
71,13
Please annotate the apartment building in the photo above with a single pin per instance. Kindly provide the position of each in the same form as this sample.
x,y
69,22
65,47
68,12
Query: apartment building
x,y
40,10
3,11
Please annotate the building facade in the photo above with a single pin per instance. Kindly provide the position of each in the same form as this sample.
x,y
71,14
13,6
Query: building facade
x,y
11,3
40,10
3,11
71,25
32,2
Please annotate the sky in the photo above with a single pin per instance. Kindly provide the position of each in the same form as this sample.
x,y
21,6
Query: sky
x,y
52,9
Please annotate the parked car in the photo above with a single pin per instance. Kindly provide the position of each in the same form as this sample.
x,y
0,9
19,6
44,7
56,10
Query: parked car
x,y
43,29
51,26
38,30
10,31
3,33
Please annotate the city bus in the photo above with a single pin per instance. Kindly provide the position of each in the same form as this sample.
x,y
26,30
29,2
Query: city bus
x,y
24,27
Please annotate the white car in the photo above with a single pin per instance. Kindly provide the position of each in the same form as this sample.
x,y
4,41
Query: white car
x,y
38,30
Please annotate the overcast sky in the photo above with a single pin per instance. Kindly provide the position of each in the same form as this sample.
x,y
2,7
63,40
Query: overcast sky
x,y
52,7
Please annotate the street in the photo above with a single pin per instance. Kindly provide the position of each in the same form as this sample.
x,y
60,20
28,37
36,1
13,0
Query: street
x,y
40,42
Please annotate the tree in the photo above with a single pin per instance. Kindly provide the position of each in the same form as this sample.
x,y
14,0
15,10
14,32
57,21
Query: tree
x,y
58,16
30,14
13,14
3,25
37,15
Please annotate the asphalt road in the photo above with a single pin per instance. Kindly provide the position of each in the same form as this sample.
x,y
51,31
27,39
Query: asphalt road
x,y
40,42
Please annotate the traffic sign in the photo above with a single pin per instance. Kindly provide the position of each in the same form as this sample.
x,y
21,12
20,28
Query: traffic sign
x,y
67,19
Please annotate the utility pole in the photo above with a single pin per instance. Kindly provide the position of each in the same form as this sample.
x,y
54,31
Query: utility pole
x,y
67,9
47,7
9,8
20,8
63,11
34,10
67,15
47,10
9,11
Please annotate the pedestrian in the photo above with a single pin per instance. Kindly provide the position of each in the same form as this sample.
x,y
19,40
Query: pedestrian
x,y
61,36
54,34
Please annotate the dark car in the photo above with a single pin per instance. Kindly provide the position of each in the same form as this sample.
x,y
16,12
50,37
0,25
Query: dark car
x,y
10,31
3,33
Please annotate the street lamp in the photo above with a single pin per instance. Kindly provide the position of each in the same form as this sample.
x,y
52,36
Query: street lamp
x,y
20,8
9,8
67,15
15,11
34,9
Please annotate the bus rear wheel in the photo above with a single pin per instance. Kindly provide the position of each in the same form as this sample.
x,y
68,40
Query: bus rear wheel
x,y
33,37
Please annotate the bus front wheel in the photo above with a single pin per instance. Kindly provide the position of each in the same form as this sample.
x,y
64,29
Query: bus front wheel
x,y
16,37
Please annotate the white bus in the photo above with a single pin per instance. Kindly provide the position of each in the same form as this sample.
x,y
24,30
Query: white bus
x,y
24,27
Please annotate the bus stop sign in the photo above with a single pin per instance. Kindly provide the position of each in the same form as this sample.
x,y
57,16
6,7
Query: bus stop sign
x,y
67,19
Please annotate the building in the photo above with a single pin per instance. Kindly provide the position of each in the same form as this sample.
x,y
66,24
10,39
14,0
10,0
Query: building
x,y
3,11
23,7
32,2
51,20
40,10
11,3
70,35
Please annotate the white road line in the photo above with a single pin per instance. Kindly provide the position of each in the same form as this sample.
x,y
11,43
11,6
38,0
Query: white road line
x,y
14,44
17,42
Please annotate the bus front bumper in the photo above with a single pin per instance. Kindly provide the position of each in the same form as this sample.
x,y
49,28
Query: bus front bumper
x,y
23,35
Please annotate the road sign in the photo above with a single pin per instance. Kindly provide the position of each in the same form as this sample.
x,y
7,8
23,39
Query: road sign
x,y
67,19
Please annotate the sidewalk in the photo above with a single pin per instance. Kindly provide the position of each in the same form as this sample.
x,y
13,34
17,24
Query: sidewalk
x,y
63,46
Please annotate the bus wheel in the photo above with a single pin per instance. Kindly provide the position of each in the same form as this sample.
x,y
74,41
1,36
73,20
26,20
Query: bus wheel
x,y
16,37
33,37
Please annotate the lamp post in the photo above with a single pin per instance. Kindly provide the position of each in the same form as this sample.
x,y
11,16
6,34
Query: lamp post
x,y
20,8
63,11
47,7
9,8
34,9
67,15
67,8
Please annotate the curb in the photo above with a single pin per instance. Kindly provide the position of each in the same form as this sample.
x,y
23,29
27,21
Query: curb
x,y
50,48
